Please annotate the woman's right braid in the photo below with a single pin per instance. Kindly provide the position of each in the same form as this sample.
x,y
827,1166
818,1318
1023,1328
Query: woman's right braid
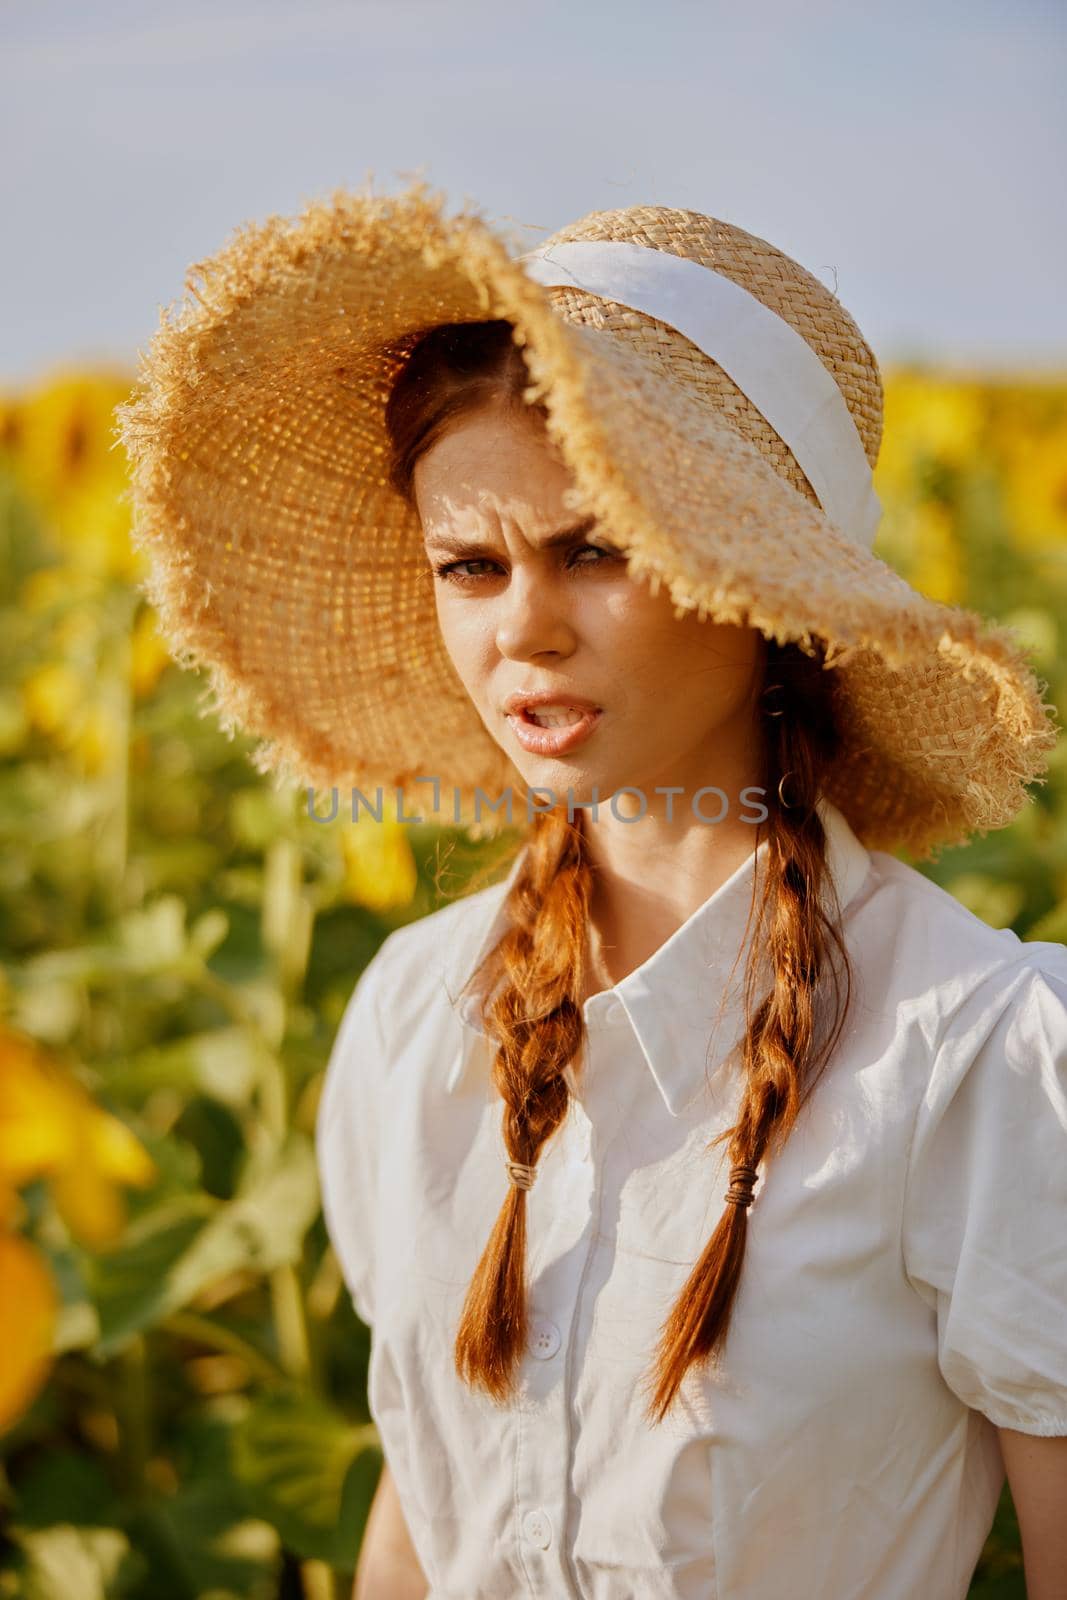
x,y
536,1020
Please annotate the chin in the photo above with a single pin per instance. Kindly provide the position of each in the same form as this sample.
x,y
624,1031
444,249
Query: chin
x,y
581,779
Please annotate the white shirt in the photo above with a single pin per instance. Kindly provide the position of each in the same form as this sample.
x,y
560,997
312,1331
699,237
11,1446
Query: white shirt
x,y
904,1285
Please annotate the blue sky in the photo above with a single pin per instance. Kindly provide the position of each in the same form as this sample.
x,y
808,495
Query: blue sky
x,y
913,153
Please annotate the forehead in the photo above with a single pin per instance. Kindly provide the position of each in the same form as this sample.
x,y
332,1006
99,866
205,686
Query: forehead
x,y
491,467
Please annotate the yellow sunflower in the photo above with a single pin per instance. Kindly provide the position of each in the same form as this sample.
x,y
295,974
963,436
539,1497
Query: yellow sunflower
x,y
51,1128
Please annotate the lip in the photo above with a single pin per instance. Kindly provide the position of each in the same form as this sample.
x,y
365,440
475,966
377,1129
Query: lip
x,y
520,701
553,741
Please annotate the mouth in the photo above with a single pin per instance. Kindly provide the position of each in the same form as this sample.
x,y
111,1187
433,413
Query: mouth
x,y
553,730
554,716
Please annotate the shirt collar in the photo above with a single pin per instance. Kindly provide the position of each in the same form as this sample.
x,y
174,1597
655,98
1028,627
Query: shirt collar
x,y
673,999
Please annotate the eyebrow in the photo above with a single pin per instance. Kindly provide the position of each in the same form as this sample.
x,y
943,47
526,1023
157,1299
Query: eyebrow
x,y
467,547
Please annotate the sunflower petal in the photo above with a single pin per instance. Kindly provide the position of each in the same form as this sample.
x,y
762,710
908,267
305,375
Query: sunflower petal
x,y
28,1306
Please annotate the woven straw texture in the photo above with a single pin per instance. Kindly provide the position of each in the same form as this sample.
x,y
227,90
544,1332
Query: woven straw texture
x,y
282,561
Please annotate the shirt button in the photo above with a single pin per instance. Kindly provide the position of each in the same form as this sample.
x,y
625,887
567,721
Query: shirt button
x,y
537,1528
544,1340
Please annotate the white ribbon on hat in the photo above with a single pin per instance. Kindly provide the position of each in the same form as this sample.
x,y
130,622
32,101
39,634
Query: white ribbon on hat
x,y
767,359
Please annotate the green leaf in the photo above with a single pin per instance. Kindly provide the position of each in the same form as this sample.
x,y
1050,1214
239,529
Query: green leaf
x,y
208,932
258,816
225,1063
262,1227
178,864
996,902
133,1286
155,936
293,1453
51,1011
63,1486
217,1134
64,1561
199,1541
174,1252
1052,927
77,1325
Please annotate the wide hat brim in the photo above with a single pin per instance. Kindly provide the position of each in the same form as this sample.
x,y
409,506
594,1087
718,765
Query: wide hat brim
x,y
283,562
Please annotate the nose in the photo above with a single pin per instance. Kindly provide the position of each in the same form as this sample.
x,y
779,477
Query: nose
x,y
534,617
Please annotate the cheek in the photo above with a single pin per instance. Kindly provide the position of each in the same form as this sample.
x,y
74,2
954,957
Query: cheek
x,y
716,666
640,633
682,663
467,640
620,618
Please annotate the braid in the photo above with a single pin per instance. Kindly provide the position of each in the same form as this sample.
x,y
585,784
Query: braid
x,y
537,1022
780,1053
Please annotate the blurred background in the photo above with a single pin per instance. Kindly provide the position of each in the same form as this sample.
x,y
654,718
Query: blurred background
x,y
182,1380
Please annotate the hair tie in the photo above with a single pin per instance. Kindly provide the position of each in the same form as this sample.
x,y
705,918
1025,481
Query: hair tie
x,y
521,1176
742,1179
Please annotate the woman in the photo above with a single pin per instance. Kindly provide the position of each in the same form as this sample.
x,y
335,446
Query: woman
x,y
703,1183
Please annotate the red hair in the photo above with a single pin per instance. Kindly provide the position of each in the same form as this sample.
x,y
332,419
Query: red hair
x,y
534,978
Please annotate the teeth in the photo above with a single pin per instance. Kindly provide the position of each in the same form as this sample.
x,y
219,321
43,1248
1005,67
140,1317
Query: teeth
x,y
551,718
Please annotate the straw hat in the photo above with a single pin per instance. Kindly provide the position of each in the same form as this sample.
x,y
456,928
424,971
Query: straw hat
x,y
282,561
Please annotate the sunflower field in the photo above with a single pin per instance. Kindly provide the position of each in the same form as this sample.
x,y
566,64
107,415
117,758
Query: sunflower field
x,y
183,1378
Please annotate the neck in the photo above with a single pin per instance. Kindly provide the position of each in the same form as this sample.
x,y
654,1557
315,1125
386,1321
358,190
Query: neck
x,y
651,874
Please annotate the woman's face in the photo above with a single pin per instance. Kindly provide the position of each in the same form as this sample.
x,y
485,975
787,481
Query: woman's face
x,y
521,611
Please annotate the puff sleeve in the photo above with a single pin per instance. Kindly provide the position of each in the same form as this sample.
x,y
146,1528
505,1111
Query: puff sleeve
x,y
346,1135
985,1201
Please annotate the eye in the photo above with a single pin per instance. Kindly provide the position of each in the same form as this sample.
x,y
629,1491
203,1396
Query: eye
x,y
597,550
451,571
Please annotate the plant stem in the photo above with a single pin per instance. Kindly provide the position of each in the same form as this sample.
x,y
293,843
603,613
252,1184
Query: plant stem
x,y
132,1406
213,1335
317,1580
290,1324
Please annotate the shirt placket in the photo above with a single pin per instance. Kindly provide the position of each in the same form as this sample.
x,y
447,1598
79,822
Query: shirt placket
x,y
561,1236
